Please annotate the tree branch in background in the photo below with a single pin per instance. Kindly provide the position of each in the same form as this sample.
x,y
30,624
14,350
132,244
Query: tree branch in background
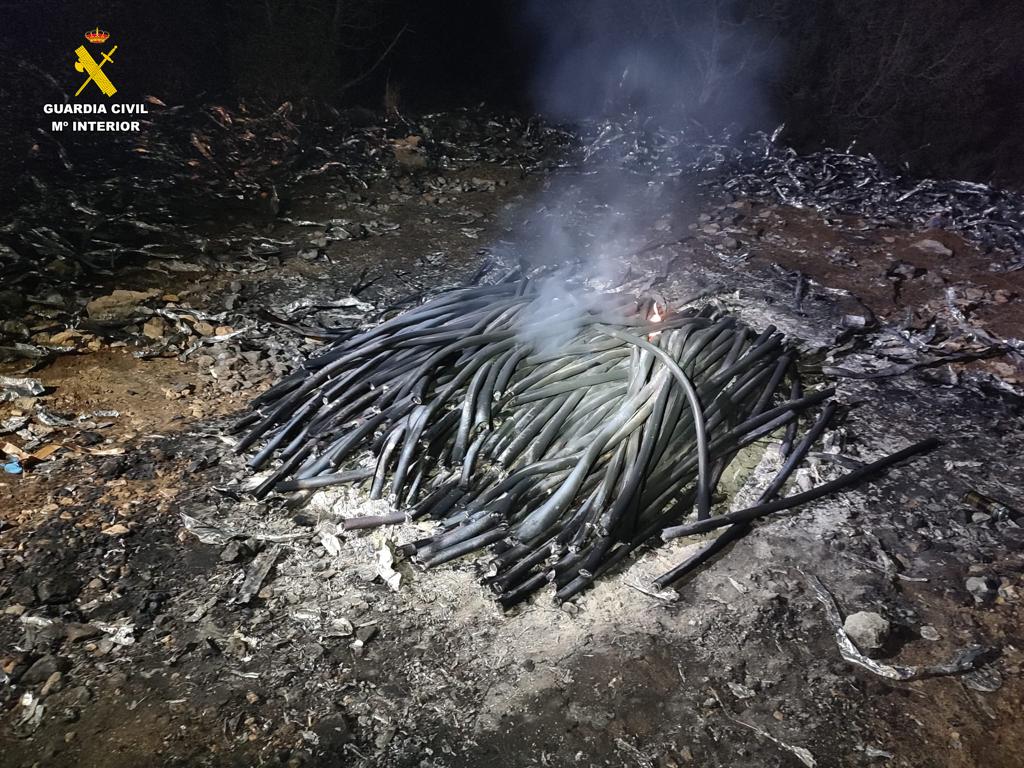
x,y
356,80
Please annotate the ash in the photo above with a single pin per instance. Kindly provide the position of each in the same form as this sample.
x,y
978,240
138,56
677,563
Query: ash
x,y
154,613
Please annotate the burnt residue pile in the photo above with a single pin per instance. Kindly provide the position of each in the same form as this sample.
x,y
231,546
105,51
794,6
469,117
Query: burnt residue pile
x,y
214,187
760,166
560,458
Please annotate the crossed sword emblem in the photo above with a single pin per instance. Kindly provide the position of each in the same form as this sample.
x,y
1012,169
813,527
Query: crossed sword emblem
x,y
86,63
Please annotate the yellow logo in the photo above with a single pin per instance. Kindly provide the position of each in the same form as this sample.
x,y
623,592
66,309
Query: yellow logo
x,y
87,64
88,115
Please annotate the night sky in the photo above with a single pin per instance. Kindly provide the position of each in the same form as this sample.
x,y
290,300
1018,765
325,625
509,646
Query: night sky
x,y
936,85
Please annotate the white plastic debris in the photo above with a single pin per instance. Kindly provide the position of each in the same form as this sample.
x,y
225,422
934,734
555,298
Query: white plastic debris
x,y
327,533
385,566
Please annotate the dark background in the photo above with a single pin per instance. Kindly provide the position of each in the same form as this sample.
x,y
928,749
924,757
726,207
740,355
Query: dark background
x,y
938,85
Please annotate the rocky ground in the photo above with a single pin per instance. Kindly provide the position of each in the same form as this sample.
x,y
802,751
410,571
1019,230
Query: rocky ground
x,y
151,613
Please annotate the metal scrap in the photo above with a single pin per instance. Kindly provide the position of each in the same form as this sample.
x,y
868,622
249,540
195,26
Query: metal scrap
x,y
257,573
801,753
963,661
13,387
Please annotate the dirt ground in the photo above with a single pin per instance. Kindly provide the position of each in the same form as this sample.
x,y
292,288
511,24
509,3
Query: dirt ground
x,y
123,642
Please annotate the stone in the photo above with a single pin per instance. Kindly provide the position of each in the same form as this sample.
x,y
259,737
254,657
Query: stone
x,y
933,247
44,668
867,629
982,588
410,156
119,305
74,631
24,594
305,519
54,590
741,691
154,328
333,733
51,685
366,632
233,552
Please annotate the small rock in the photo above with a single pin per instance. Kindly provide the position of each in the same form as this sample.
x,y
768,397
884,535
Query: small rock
x,y
24,594
119,305
203,328
75,632
867,629
982,588
117,529
929,633
933,247
366,632
741,691
154,328
58,589
233,552
46,666
52,684
333,733
973,294
305,519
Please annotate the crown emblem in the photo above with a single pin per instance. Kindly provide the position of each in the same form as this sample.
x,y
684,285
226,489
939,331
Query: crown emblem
x,y
97,36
